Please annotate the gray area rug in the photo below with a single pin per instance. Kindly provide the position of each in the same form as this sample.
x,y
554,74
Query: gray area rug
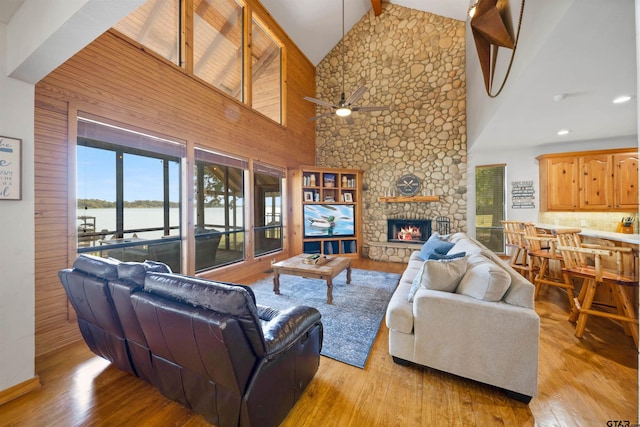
x,y
351,322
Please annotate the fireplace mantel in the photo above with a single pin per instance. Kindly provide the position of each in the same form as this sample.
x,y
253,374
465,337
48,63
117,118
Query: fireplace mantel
x,y
404,199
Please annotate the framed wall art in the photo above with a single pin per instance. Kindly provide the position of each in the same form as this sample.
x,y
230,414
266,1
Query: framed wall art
x,y
10,168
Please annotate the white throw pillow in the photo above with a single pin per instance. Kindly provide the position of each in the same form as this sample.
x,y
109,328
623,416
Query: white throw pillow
x,y
443,274
484,280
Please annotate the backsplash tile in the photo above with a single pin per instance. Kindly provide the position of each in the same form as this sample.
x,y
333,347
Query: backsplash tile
x,y
602,221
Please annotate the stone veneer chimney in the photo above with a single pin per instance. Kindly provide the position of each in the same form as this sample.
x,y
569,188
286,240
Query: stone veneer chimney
x,y
414,62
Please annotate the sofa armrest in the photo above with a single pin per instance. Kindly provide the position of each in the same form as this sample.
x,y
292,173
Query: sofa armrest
x,y
287,326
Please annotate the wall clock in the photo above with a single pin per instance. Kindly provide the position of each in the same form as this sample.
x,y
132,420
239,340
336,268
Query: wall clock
x,y
408,185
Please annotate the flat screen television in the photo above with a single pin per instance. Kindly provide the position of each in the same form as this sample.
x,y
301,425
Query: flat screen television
x,y
326,220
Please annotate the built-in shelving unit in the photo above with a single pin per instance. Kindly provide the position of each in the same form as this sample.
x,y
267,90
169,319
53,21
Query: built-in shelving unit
x,y
326,211
405,199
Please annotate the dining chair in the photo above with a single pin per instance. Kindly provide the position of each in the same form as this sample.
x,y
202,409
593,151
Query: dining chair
x,y
542,250
576,256
513,236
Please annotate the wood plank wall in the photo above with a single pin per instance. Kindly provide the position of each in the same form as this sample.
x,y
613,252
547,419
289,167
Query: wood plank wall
x,y
114,78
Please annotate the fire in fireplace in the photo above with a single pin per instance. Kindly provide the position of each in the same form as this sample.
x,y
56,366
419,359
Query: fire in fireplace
x,y
408,230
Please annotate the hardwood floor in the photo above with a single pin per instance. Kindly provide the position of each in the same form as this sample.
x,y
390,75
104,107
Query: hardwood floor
x,y
581,382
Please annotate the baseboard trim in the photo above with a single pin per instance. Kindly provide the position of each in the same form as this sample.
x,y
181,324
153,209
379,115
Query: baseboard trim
x,y
19,390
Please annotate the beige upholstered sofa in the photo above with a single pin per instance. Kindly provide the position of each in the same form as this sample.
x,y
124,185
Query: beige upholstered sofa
x,y
482,327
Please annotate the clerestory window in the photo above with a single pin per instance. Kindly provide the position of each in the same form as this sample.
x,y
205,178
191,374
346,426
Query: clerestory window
x,y
210,42
156,25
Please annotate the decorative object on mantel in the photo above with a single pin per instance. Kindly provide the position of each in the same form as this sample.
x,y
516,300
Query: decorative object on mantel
x,y
10,168
490,32
345,106
408,185
403,199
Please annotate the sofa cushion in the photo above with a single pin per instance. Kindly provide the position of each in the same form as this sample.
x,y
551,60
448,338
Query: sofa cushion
x,y
434,245
436,255
484,280
439,275
105,268
136,271
465,245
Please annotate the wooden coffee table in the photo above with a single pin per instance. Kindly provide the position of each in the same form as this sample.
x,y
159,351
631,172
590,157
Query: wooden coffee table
x,y
295,266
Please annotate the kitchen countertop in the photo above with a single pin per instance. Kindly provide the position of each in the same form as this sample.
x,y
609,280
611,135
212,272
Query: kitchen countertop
x,y
634,239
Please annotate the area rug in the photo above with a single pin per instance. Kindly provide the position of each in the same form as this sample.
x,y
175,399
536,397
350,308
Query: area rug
x,y
351,322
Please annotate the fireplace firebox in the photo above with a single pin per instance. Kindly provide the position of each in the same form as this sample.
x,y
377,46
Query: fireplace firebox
x,y
408,230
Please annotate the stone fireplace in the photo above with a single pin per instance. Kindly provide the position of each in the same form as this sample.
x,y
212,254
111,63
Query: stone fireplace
x,y
408,230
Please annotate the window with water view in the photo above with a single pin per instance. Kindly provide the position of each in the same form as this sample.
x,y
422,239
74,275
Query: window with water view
x,y
128,197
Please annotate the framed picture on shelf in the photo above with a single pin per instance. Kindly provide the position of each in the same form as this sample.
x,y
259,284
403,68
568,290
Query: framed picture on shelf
x,y
347,197
308,196
329,180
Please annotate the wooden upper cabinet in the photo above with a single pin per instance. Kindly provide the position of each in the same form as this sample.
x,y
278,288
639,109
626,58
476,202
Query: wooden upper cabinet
x,y
561,183
625,180
596,183
604,180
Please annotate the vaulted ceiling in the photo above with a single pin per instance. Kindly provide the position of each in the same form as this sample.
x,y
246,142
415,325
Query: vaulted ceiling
x,y
582,52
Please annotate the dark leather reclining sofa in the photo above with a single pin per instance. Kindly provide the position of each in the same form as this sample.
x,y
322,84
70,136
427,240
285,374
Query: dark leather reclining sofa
x,y
205,344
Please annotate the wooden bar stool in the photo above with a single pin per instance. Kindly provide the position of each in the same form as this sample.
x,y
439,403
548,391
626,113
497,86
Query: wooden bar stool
x,y
542,250
574,254
513,239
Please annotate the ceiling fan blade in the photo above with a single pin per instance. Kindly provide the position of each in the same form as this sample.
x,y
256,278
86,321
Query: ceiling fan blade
x,y
369,108
319,116
349,120
320,102
356,95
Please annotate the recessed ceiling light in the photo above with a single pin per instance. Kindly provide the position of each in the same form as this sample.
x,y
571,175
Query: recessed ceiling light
x,y
563,132
622,99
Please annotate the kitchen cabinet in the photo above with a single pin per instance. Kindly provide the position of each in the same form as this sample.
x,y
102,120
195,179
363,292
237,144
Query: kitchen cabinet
x,y
559,181
595,189
604,180
625,181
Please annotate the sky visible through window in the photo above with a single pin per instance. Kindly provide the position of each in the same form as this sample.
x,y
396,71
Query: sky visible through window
x,y
143,176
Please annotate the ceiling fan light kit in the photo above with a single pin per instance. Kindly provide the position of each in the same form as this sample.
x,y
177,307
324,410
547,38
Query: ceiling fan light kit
x,y
345,106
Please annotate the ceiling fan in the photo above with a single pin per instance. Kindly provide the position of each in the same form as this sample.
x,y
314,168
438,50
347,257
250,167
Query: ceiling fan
x,y
345,106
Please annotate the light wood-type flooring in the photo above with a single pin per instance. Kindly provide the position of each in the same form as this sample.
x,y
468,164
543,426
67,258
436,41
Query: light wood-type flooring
x,y
581,383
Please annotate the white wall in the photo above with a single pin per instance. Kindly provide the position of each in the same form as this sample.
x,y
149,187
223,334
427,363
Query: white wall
x,y
39,37
17,295
523,166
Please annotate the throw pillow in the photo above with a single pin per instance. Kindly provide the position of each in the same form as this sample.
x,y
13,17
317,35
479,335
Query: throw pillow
x,y
485,281
443,275
436,255
434,244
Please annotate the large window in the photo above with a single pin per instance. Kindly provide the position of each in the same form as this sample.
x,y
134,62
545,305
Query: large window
x,y
220,53
490,206
266,89
155,25
219,209
217,44
128,194
267,209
